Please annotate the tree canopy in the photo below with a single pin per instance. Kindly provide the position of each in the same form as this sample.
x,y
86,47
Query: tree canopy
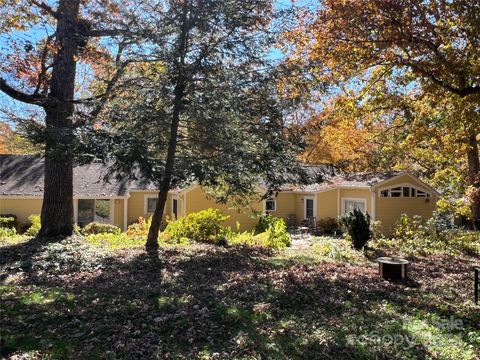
x,y
404,81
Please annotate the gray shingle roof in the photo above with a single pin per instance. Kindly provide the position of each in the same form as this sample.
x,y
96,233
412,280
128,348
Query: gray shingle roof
x,y
22,175
360,180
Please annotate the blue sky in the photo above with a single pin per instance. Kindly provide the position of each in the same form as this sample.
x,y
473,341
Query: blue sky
x,y
39,33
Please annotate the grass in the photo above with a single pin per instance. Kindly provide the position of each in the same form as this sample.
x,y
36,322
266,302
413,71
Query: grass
x,y
87,299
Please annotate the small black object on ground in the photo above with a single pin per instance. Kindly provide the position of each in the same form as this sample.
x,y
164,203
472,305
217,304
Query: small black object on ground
x,y
392,268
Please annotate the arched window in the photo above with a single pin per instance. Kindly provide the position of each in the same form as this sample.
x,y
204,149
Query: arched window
x,y
404,191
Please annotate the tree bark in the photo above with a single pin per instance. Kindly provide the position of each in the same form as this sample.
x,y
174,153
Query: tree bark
x,y
57,207
165,184
474,174
179,93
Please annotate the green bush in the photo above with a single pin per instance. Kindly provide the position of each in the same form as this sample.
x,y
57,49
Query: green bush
x,y
203,226
114,240
328,225
358,227
265,222
139,229
99,228
238,238
8,221
277,235
271,232
7,232
35,225
414,236
336,249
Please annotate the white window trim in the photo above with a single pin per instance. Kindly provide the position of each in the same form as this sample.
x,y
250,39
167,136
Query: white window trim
x,y
310,197
345,199
274,205
379,191
112,207
145,203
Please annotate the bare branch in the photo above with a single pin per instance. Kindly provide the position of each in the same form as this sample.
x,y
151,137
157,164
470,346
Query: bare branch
x,y
26,98
107,32
46,7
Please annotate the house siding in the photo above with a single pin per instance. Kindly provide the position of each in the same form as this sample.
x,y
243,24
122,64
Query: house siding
x,y
197,200
118,212
389,210
327,204
136,205
23,208
285,205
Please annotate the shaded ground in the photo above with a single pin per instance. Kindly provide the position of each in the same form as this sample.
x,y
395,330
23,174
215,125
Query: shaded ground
x,y
73,300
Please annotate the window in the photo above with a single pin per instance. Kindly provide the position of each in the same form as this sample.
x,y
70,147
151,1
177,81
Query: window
x,y
350,204
396,192
90,210
175,208
270,204
309,211
403,191
151,204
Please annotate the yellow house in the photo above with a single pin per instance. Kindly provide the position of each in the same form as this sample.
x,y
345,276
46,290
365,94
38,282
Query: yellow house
x,y
101,197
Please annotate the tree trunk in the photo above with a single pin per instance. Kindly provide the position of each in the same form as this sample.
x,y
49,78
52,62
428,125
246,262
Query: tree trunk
x,y
179,92
57,207
165,184
474,174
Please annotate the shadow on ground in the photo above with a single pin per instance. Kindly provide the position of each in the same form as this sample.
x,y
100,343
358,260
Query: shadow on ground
x,y
226,303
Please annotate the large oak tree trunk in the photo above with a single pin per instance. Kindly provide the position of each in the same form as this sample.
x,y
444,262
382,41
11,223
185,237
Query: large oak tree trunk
x,y
474,173
57,207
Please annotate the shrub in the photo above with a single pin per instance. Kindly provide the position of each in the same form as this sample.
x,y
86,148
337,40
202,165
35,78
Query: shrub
x,y
278,237
8,221
358,227
203,226
7,232
140,228
114,240
99,228
275,237
265,221
376,229
35,225
336,249
414,236
237,238
328,225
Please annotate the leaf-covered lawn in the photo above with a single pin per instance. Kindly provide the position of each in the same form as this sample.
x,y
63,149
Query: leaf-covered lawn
x,y
77,300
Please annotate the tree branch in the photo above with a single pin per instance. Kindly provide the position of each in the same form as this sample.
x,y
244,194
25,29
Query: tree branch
x,y
107,32
26,98
46,8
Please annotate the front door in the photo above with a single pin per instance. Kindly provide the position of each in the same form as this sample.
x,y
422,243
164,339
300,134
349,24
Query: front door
x,y
308,211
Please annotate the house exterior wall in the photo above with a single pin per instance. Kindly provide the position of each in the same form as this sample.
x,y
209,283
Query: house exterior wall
x,y
118,212
285,205
136,205
364,194
327,204
388,210
23,208
197,200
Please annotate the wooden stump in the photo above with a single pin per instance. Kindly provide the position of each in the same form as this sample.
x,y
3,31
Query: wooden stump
x,y
391,268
